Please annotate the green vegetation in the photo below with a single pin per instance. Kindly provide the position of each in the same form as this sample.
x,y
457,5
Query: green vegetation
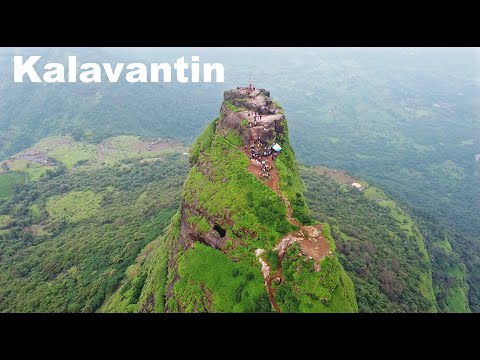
x,y
200,223
401,217
8,180
111,229
378,244
405,125
253,216
328,236
304,290
203,142
143,287
277,105
73,153
71,239
448,271
220,180
402,121
5,222
452,294
94,112
233,107
234,138
32,170
66,153
211,282
35,211
290,182
73,207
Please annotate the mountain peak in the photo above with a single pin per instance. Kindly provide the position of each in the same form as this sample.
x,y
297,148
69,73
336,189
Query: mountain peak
x,y
243,231
253,114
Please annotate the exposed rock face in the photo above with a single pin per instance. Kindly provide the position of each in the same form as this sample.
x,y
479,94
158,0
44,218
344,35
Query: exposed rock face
x,y
240,118
268,128
189,234
233,203
242,92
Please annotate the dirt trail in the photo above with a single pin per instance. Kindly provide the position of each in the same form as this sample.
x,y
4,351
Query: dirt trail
x,y
311,239
290,217
268,279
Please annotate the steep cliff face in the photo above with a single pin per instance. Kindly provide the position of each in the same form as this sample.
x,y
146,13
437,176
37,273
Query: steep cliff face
x,y
244,241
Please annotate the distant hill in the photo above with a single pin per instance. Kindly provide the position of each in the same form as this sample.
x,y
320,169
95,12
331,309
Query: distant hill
x,y
382,248
402,119
242,240
110,219
405,120
68,235
30,112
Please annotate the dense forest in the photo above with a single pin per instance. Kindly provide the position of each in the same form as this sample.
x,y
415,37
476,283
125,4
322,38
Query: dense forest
x,y
405,120
71,235
82,240
383,250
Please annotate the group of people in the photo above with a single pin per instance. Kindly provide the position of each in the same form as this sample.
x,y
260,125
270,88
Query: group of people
x,y
256,117
260,153
249,88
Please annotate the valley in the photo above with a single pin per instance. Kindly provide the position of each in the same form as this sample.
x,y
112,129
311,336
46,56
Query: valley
x,y
401,123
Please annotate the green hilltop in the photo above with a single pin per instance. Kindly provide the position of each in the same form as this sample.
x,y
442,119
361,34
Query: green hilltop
x,y
97,227
233,224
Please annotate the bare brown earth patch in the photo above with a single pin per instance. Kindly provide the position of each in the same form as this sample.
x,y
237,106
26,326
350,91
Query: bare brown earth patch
x,y
312,240
157,145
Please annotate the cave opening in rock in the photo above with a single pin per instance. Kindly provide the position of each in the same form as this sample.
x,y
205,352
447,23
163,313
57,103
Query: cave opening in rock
x,y
221,231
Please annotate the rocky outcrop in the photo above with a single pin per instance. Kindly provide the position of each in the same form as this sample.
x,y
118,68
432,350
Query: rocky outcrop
x,y
190,233
241,93
226,208
241,118
237,113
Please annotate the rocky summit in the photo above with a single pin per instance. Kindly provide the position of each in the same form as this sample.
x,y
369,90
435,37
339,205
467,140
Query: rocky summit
x,y
243,240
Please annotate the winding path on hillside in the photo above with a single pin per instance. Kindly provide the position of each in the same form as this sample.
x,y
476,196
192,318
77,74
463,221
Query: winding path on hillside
x,y
311,239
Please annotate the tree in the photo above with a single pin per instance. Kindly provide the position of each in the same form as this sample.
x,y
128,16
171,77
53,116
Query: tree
x,y
78,134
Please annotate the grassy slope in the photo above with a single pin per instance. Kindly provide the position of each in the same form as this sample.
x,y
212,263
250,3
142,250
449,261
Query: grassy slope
x,y
229,185
253,207
74,206
83,156
332,286
290,182
380,246
407,225
8,180
143,287
329,290
209,279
